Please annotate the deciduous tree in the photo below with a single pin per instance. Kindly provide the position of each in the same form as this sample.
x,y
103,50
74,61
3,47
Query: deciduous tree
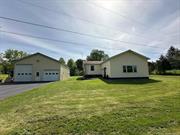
x,y
162,65
62,61
97,55
72,66
79,64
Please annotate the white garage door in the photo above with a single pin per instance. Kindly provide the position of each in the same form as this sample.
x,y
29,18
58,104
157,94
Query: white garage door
x,y
23,73
51,75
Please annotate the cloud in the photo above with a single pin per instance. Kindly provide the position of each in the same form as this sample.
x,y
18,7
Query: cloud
x,y
144,22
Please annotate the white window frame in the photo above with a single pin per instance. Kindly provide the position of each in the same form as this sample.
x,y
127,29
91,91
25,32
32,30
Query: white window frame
x,y
125,69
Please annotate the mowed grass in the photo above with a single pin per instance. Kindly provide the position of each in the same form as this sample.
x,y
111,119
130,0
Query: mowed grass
x,y
93,107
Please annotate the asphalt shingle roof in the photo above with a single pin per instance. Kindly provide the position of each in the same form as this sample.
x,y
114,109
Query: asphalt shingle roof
x,y
93,62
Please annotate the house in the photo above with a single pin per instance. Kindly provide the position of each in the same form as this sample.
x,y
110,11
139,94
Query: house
x,y
128,64
39,67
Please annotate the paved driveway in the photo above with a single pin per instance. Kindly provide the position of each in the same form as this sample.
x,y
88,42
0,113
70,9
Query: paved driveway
x,y
13,89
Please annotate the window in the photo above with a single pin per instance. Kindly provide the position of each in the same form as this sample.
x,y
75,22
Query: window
x,y
22,73
19,74
30,74
49,73
92,68
56,73
46,73
26,73
37,74
53,73
124,69
129,69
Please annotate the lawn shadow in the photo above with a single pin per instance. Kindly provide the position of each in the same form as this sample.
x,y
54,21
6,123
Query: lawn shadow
x,y
121,80
86,78
130,81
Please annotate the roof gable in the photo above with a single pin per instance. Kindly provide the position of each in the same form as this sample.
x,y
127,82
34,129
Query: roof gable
x,y
140,55
29,56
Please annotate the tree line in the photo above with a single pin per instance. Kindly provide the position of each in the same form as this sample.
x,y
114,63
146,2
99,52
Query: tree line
x,y
76,67
166,62
169,61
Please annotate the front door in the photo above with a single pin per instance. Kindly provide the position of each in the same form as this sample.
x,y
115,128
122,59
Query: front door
x,y
37,76
104,71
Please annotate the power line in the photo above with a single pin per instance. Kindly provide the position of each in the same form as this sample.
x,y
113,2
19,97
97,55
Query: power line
x,y
75,32
61,41
82,19
54,40
88,21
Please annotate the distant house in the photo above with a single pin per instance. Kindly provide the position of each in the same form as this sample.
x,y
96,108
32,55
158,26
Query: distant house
x,y
39,67
128,64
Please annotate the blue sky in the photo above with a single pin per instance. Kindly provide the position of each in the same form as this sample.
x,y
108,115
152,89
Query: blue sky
x,y
150,22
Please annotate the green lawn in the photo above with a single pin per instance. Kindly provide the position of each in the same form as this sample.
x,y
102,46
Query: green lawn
x,y
90,107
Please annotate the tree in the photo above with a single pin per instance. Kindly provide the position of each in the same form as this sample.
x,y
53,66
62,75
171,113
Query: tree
x,y
1,63
97,55
1,58
8,57
1,68
62,61
171,52
79,64
12,54
7,67
162,65
72,66
152,66
173,56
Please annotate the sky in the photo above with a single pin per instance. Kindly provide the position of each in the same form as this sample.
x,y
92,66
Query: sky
x,y
149,27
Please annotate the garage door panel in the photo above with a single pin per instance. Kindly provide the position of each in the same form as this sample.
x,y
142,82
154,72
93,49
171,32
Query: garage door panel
x,y
51,75
23,73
